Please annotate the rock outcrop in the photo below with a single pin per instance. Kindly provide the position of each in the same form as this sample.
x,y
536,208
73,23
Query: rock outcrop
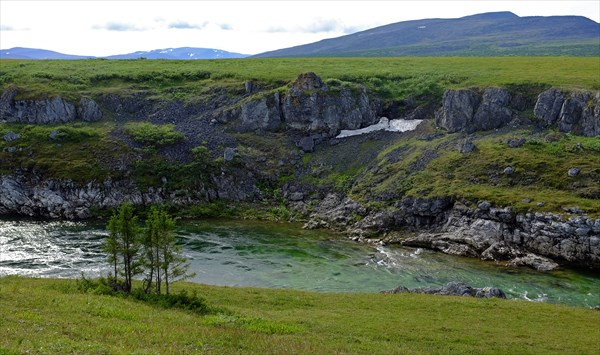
x,y
310,106
467,110
50,110
66,199
454,289
576,112
538,240
89,110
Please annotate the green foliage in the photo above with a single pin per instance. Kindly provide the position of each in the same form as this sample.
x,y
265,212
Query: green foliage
x,y
149,134
123,245
164,259
74,152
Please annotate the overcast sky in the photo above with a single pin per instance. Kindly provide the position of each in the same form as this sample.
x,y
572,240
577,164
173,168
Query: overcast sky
x,y
115,27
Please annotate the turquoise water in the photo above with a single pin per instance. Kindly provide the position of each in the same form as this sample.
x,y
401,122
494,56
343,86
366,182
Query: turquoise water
x,y
262,254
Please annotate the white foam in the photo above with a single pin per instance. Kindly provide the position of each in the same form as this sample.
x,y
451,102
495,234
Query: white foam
x,y
386,124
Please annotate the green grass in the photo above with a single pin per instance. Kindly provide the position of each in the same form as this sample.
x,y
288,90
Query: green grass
x,y
391,77
540,171
149,134
77,152
48,316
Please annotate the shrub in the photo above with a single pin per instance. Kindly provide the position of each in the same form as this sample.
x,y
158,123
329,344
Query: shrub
x,y
149,134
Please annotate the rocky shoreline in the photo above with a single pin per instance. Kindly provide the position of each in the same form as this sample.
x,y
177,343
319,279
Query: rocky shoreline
x,y
311,112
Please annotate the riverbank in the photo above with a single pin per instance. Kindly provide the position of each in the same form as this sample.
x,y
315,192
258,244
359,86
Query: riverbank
x,y
500,167
52,316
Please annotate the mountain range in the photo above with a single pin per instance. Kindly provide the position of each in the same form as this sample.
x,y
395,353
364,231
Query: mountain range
x,y
182,53
487,34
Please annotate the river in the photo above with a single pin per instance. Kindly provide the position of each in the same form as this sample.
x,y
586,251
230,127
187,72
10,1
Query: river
x,y
273,255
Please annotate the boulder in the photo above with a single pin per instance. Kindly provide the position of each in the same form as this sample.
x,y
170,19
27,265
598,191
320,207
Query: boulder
x,y
573,172
307,144
493,111
263,113
469,111
516,142
467,146
458,108
548,106
89,110
11,136
229,154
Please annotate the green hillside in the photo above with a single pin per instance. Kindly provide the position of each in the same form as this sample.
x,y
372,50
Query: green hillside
x,y
488,34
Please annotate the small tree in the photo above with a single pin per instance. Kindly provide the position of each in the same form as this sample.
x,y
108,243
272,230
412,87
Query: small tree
x,y
123,244
163,256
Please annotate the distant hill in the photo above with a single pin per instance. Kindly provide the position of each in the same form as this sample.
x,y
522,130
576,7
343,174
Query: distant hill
x,y
488,34
34,53
180,53
167,53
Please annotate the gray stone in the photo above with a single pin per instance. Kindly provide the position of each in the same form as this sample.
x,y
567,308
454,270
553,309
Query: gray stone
x,y
89,110
537,262
296,196
54,134
548,106
458,108
493,111
508,170
573,172
454,289
307,144
45,111
311,107
516,142
11,136
251,87
467,146
229,154
484,205
263,113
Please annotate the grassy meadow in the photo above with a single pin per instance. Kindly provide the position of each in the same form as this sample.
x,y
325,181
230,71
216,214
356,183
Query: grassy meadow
x,y
392,77
45,316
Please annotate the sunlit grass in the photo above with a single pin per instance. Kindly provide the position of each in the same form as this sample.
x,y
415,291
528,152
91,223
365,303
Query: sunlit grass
x,y
50,316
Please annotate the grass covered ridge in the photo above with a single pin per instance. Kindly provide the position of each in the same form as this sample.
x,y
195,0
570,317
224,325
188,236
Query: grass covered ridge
x,y
52,316
393,78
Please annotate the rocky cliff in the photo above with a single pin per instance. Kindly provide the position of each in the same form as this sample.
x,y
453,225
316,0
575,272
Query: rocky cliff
x,y
469,110
47,110
304,116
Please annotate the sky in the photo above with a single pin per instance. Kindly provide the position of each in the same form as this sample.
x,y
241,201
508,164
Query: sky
x,y
108,27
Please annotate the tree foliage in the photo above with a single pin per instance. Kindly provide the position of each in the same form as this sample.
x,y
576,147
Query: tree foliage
x,y
133,250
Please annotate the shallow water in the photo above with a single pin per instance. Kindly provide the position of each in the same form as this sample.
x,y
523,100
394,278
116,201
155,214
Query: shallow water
x,y
262,254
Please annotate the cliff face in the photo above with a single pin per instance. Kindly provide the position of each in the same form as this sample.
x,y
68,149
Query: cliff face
x,y
309,106
577,112
307,114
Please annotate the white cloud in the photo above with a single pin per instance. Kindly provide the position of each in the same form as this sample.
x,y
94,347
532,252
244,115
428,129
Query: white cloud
x,y
183,25
118,26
